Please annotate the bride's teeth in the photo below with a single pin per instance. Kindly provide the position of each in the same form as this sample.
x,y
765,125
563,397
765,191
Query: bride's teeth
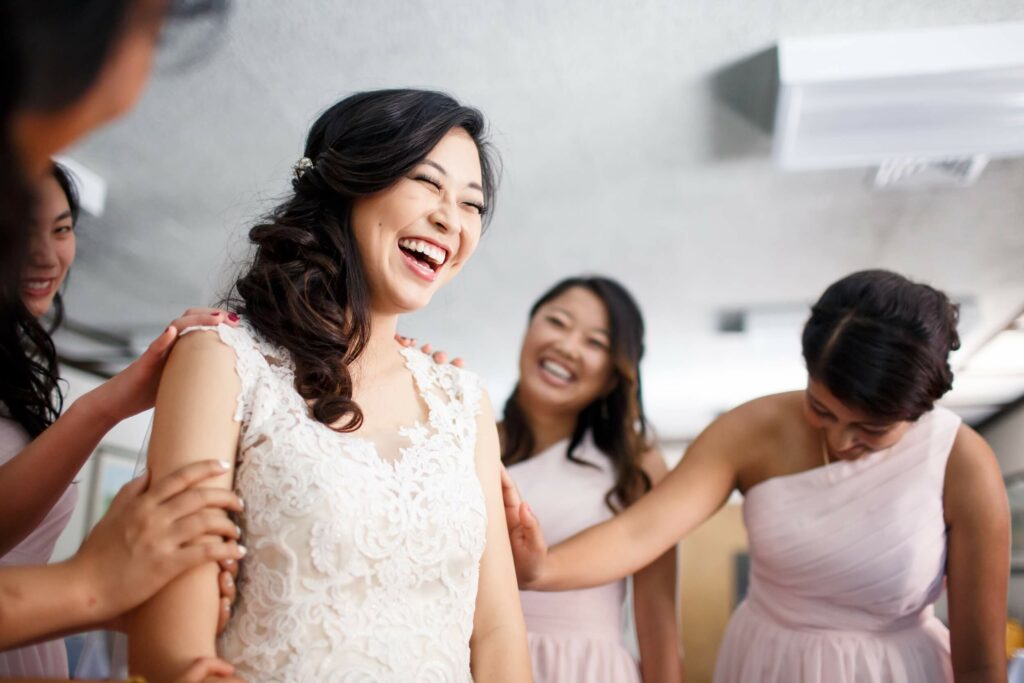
x,y
435,254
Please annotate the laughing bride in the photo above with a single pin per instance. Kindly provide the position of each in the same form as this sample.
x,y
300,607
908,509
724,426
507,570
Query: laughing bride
x,y
374,522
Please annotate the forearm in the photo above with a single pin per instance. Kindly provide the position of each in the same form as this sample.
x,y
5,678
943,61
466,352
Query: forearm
x,y
44,602
593,557
177,626
659,654
501,655
995,673
50,463
608,551
657,619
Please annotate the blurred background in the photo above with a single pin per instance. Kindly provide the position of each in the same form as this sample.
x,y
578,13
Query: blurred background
x,y
725,159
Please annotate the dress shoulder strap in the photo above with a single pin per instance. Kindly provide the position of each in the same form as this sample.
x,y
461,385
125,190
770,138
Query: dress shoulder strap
x,y
253,363
452,394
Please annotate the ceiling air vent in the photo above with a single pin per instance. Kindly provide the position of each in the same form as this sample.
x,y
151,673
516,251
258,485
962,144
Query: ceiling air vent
x,y
925,173
943,98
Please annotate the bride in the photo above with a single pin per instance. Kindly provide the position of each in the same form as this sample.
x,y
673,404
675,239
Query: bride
x,y
370,475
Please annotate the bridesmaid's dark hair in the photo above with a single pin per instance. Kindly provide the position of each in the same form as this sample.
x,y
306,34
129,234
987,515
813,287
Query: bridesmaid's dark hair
x,y
51,52
881,344
616,421
305,289
30,390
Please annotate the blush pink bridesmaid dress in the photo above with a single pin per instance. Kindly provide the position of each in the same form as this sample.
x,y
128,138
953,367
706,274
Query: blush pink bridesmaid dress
x,y
574,636
47,659
846,562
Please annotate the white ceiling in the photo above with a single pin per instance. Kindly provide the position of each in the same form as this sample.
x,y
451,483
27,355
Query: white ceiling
x,y
618,160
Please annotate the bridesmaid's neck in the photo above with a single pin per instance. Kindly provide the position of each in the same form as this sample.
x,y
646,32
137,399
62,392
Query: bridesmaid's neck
x,y
548,427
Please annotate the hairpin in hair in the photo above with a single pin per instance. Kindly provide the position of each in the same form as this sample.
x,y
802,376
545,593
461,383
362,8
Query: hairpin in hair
x,y
301,166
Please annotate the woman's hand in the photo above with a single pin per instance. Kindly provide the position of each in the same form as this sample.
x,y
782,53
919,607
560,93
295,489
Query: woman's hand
x,y
133,390
228,592
440,357
529,549
209,669
146,539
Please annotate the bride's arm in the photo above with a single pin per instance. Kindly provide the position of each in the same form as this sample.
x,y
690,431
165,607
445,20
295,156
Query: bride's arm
x,y
194,419
498,646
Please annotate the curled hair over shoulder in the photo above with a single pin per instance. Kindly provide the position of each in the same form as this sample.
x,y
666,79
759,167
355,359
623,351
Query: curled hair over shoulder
x,y
30,390
305,289
616,421
881,344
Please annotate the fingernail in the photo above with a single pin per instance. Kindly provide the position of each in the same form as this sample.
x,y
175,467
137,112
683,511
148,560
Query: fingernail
x,y
238,531
229,562
228,581
241,503
224,465
233,317
242,550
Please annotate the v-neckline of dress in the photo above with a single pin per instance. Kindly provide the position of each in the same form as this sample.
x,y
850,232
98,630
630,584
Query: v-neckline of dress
x,y
367,445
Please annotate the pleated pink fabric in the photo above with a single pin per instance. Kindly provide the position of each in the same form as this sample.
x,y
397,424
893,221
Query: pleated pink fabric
x,y
574,636
846,562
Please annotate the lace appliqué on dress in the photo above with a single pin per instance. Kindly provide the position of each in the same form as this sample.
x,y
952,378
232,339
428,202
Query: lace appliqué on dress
x,y
358,569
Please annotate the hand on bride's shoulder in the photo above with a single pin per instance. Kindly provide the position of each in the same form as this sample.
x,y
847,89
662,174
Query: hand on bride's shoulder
x,y
440,357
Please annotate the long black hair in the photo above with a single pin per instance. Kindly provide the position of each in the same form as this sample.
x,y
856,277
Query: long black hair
x,y
616,421
305,289
30,391
881,344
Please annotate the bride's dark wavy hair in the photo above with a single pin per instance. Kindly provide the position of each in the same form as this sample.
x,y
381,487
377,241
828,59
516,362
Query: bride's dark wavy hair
x,y
305,289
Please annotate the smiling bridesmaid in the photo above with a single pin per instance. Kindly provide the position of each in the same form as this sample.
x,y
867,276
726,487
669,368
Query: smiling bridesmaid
x,y
575,440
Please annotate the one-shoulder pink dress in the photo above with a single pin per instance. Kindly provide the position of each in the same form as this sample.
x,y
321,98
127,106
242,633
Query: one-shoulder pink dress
x,y
574,636
846,562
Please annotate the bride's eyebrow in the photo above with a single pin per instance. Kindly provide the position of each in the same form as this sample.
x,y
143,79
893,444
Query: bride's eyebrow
x,y
441,169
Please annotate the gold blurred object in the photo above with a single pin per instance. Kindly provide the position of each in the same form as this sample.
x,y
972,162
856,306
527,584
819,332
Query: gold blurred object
x,y
1014,637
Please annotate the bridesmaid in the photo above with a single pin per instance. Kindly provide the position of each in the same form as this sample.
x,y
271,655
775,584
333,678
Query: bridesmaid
x,y
34,516
575,440
861,498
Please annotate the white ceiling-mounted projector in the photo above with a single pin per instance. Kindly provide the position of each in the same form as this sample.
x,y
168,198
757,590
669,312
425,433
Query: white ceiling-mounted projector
x,y
939,100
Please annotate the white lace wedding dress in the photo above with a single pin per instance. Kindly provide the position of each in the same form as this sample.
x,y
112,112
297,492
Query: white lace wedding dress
x,y
359,569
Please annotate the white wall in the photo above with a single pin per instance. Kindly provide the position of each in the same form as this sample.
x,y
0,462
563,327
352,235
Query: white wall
x,y
128,436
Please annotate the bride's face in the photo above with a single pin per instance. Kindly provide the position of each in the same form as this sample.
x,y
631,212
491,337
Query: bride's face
x,y
416,235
